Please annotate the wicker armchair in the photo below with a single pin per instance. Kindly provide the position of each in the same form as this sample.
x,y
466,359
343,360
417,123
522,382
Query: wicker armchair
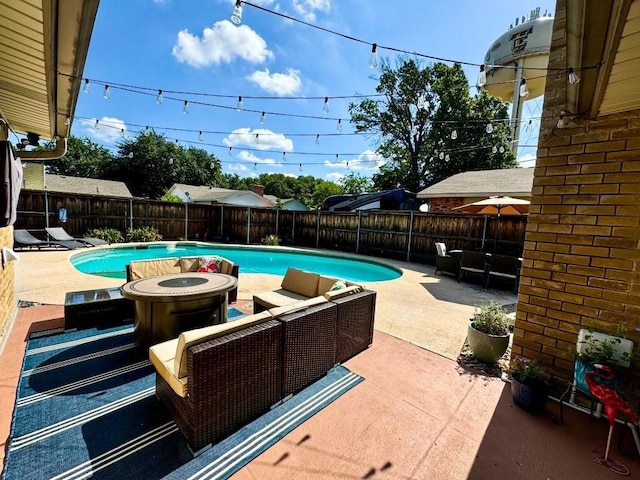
x,y
474,263
445,263
505,266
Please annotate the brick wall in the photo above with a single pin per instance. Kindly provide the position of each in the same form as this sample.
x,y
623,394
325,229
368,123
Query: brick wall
x,y
444,204
581,265
7,290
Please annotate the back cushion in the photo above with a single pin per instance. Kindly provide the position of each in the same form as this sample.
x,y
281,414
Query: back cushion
x,y
301,282
441,248
150,268
226,266
325,284
189,264
200,335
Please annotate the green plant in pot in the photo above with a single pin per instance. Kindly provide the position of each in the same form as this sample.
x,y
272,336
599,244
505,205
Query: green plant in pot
x,y
529,385
488,332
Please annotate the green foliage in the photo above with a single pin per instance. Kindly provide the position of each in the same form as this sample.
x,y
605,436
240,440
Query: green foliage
x,y
491,318
143,234
171,197
84,158
111,235
272,240
602,351
530,373
410,133
279,204
355,183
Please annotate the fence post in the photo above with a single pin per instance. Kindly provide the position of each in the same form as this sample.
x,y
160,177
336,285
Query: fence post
x,y
318,230
222,222
293,228
186,221
277,221
131,214
409,238
248,225
46,209
358,231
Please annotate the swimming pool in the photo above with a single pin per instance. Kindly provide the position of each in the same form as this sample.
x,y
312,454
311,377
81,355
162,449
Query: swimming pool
x,y
111,261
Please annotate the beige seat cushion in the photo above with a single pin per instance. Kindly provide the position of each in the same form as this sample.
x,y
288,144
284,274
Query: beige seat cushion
x,y
343,292
295,307
301,282
278,298
162,357
150,268
200,335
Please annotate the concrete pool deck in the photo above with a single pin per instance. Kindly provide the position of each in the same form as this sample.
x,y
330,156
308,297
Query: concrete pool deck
x,y
421,308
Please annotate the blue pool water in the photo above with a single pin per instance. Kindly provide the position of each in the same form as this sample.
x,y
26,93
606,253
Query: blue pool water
x,y
111,261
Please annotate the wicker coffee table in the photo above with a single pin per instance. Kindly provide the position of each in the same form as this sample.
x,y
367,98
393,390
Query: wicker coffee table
x,y
166,305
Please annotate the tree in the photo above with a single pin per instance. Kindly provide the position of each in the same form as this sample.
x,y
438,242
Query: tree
x,y
84,158
413,124
355,183
171,197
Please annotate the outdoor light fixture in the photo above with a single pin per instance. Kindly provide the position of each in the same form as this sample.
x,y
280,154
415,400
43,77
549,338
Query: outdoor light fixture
x,y
122,132
574,78
373,59
96,126
454,135
524,91
494,149
230,154
239,105
263,118
489,128
257,138
339,127
255,166
185,108
159,97
300,167
325,107
8,255
501,149
447,157
482,77
441,156
200,135
284,156
236,15
318,139
107,92
86,85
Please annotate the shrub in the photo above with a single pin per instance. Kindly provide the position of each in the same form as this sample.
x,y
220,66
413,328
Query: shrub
x,y
110,235
273,240
602,351
491,318
143,234
529,372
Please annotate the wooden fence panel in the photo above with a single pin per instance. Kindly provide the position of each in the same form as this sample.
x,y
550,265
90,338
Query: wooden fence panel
x,y
338,231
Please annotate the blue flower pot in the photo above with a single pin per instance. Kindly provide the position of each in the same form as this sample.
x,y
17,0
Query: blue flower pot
x,y
531,399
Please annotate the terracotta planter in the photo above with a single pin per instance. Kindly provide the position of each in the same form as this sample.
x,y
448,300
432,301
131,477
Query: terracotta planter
x,y
487,348
531,399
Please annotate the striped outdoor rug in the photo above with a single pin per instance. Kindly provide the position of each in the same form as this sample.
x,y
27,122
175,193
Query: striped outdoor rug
x,y
86,408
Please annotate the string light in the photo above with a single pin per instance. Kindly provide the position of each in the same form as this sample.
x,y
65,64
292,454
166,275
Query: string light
x,y
255,166
159,97
122,132
236,15
337,157
239,104
454,135
489,128
257,138
339,128
107,92
230,153
284,156
524,91
67,121
325,107
177,142
574,78
262,118
300,167
373,59
501,149
185,108
560,123
494,149
86,85
130,155
447,157
171,161
318,139
482,77
97,124
200,135
441,155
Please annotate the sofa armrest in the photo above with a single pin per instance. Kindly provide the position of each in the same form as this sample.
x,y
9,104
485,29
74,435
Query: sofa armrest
x,y
356,315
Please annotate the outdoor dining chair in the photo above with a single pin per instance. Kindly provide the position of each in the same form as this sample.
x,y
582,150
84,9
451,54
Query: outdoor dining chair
x,y
60,234
474,263
445,263
504,266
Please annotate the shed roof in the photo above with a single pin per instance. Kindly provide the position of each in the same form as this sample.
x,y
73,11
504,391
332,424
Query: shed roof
x,y
513,182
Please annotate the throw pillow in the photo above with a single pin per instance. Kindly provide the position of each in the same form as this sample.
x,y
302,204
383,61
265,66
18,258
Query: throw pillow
x,y
339,285
210,264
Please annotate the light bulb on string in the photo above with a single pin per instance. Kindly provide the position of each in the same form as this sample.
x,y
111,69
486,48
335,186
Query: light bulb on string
x,y
318,139
86,85
130,155
200,135
489,128
159,97
146,129
67,121
529,126
454,135
96,126
501,149
185,107
236,15
560,123
213,165
239,104
171,161
574,78
524,91
482,77
337,157
263,118
122,132
230,153
441,155
107,92
177,142
447,157
373,59
257,138
300,167
325,107
339,127
494,149
255,166
284,156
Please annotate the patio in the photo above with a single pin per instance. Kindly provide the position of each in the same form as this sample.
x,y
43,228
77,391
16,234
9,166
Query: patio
x,y
425,415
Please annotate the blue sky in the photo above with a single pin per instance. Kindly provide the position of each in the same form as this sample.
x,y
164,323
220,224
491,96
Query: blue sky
x,y
191,46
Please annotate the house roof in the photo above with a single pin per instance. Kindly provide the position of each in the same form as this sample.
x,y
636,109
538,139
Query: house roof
x,y
87,186
204,193
360,200
513,182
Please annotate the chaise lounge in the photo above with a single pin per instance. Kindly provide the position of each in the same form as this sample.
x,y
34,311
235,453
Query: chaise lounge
x,y
59,234
23,239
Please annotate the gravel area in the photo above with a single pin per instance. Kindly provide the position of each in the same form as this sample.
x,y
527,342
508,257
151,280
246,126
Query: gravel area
x,y
468,362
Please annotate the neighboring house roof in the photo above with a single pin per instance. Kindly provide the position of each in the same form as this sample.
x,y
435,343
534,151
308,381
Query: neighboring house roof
x,y
87,186
513,182
388,199
204,193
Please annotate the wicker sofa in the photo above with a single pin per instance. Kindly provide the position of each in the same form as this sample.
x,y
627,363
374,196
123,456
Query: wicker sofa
x,y
216,379
160,266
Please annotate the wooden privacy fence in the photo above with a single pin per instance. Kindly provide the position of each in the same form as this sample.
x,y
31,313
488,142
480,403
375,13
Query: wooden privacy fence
x,y
403,235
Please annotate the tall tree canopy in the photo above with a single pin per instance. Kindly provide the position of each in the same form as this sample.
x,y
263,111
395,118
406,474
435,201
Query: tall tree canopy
x,y
414,120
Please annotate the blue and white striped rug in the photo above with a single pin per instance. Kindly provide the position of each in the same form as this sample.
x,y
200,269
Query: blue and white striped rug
x,y
86,408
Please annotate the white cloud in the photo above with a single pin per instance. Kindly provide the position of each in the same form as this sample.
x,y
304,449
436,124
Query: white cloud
x,y
367,161
278,83
267,140
334,176
246,156
107,130
221,44
242,170
307,8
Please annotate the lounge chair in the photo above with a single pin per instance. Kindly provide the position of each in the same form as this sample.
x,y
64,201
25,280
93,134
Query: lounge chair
x,y
23,239
59,233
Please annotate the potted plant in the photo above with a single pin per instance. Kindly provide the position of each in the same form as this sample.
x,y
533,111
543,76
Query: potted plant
x,y
488,332
599,348
529,385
